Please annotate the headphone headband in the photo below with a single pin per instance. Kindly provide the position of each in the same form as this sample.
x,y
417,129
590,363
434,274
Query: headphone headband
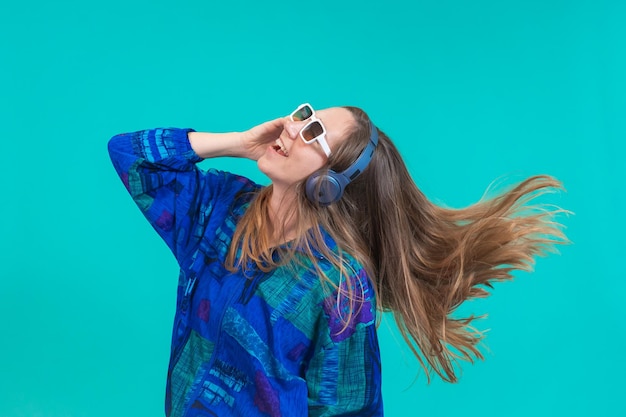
x,y
327,188
363,160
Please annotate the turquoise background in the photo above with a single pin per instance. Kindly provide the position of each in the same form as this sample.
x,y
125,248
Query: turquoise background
x,y
470,91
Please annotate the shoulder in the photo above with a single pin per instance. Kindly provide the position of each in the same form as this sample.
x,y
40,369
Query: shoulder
x,y
228,192
232,182
219,199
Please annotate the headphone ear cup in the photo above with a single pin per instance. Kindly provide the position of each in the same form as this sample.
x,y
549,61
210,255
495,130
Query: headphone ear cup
x,y
323,188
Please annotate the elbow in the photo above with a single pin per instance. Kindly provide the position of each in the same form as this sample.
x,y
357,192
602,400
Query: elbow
x,y
117,142
121,147
121,153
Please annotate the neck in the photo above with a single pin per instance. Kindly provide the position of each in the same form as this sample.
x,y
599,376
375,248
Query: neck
x,y
283,215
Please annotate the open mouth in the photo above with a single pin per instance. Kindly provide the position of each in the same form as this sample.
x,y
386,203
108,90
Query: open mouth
x,y
279,147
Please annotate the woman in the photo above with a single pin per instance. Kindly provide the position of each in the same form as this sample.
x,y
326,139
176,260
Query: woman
x,y
281,287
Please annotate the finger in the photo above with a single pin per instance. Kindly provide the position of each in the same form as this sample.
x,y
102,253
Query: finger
x,y
274,127
278,123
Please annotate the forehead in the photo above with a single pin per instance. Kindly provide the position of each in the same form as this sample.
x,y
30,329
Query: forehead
x,y
337,121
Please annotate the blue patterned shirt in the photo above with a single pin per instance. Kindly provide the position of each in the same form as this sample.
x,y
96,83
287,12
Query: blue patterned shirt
x,y
263,344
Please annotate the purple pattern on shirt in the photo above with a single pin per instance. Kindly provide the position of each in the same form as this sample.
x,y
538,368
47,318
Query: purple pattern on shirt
x,y
165,221
124,178
337,308
204,310
266,398
295,353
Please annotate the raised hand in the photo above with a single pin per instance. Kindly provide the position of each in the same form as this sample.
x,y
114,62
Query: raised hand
x,y
255,140
248,144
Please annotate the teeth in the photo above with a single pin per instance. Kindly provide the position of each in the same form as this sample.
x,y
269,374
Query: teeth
x,y
282,146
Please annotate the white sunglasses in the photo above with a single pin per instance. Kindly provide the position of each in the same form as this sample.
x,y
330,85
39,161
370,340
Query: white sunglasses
x,y
314,130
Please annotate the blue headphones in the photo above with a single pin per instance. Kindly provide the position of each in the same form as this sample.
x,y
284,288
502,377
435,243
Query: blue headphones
x,y
326,187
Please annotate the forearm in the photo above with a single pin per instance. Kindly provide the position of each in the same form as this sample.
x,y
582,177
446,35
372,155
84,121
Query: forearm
x,y
211,145
250,144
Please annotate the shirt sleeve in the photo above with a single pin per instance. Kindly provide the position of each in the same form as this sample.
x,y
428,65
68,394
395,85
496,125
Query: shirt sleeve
x,y
158,168
344,375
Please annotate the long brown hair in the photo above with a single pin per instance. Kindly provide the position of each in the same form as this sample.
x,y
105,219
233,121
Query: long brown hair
x,y
424,260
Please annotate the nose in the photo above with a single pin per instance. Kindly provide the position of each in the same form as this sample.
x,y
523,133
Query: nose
x,y
293,128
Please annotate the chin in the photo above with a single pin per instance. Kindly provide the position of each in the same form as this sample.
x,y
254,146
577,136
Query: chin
x,y
261,163
265,167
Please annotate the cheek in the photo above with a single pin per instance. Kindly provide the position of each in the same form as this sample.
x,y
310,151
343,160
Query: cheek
x,y
310,156
310,163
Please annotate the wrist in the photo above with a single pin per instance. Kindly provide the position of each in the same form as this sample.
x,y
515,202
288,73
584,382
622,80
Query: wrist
x,y
211,145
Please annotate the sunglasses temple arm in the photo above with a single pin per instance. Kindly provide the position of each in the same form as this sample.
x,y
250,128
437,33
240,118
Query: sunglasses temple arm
x,y
325,146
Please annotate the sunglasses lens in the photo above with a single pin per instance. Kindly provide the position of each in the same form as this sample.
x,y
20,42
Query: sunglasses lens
x,y
312,131
302,113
